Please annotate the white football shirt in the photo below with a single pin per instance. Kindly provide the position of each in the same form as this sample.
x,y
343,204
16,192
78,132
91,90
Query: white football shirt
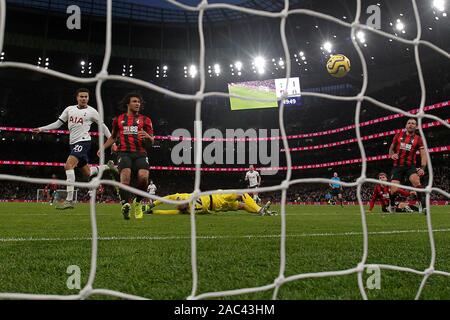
x,y
79,122
151,189
252,177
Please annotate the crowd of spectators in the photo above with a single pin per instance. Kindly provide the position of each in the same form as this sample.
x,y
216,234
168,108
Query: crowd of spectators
x,y
315,192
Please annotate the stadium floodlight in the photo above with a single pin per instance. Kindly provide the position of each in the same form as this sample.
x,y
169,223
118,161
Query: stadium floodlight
x,y
238,65
361,36
328,46
165,68
399,26
302,53
193,71
217,69
260,64
281,63
83,62
439,5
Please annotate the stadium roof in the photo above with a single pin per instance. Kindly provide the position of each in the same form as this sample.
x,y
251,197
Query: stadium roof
x,y
158,11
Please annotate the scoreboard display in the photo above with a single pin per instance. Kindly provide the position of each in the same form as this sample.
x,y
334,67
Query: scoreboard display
x,y
271,90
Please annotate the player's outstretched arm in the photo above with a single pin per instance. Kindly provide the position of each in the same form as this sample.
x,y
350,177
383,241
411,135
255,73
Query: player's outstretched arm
x,y
55,125
52,126
168,212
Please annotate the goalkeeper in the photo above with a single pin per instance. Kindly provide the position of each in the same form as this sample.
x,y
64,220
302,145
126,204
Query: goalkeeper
x,y
213,203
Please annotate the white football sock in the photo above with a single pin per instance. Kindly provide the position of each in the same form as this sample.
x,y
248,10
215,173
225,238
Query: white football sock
x,y
70,178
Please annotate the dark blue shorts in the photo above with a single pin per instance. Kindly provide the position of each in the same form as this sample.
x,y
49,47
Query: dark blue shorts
x,y
80,150
335,191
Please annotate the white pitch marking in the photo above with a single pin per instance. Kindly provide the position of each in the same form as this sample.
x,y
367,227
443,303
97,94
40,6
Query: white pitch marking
x,y
255,236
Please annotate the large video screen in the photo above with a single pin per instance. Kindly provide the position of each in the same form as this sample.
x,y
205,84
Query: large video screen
x,y
272,89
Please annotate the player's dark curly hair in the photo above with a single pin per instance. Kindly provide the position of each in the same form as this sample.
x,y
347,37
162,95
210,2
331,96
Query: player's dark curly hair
x,y
79,90
126,99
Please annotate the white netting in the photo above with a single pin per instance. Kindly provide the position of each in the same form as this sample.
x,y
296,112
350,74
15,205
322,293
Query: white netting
x,y
102,76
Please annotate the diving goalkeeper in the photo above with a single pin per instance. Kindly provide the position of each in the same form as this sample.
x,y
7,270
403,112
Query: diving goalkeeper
x,y
213,203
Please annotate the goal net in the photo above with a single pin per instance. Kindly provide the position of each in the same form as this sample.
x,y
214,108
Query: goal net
x,y
199,97
44,195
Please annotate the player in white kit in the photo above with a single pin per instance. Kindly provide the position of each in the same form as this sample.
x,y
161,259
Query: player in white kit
x,y
151,189
79,119
254,181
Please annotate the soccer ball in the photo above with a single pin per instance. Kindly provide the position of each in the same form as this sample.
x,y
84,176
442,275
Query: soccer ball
x,y
338,65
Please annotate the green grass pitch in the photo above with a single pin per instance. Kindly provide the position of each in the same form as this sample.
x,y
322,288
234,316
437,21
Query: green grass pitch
x,y
239,104
151,257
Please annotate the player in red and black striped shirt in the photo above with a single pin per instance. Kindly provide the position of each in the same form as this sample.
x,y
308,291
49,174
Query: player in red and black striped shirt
x,y
403,151
134,133
382,193
52,187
